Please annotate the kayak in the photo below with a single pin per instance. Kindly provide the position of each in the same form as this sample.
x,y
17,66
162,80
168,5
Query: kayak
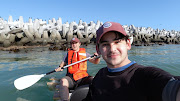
x,y
77,94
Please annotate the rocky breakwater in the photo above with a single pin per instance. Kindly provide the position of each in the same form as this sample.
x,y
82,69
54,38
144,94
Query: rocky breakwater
x,y
149,36
39,32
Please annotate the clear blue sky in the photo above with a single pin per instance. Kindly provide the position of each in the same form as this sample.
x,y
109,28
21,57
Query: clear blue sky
x,y
162,14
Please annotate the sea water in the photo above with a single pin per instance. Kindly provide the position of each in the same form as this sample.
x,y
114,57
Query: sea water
x,y
42,60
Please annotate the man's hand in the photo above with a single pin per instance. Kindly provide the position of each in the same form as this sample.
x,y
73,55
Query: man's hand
x,y
58,69
96,56
60,66
94,59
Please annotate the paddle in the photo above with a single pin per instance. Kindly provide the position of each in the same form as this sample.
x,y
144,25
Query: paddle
x,y
27,81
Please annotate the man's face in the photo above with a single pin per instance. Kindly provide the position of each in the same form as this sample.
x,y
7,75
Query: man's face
x,y
114,50
75,46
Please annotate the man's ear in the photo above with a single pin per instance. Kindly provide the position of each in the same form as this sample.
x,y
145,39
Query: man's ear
x,y
97,50
128,44
99,53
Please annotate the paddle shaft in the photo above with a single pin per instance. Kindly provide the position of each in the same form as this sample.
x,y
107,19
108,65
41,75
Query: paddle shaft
x,y
73,63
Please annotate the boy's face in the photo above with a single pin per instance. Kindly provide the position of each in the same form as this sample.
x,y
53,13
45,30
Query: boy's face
x,y
114,50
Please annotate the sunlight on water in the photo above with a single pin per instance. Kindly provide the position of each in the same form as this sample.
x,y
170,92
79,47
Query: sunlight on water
x,y
41,60
165,57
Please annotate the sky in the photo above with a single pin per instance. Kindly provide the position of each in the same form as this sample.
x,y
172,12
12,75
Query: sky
x,y
162,14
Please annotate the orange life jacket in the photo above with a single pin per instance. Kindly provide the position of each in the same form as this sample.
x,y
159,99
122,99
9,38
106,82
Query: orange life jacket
x,y
78,70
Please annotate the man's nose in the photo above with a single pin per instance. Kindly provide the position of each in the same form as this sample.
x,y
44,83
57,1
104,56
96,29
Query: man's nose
x,y
112,47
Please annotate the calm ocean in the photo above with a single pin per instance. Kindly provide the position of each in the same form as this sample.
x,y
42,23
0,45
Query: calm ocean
x,y
41,60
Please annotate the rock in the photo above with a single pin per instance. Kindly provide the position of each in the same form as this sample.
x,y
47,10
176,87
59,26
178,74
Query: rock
x,y
6,43
54,32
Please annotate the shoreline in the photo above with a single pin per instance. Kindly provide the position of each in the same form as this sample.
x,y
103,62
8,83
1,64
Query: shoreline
x,y
64,47
51,47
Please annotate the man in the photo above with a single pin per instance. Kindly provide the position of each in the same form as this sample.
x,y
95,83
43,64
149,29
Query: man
x,y
125,80
77,74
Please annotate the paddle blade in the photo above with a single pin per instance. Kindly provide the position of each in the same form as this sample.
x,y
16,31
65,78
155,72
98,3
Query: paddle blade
x,y
27,81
